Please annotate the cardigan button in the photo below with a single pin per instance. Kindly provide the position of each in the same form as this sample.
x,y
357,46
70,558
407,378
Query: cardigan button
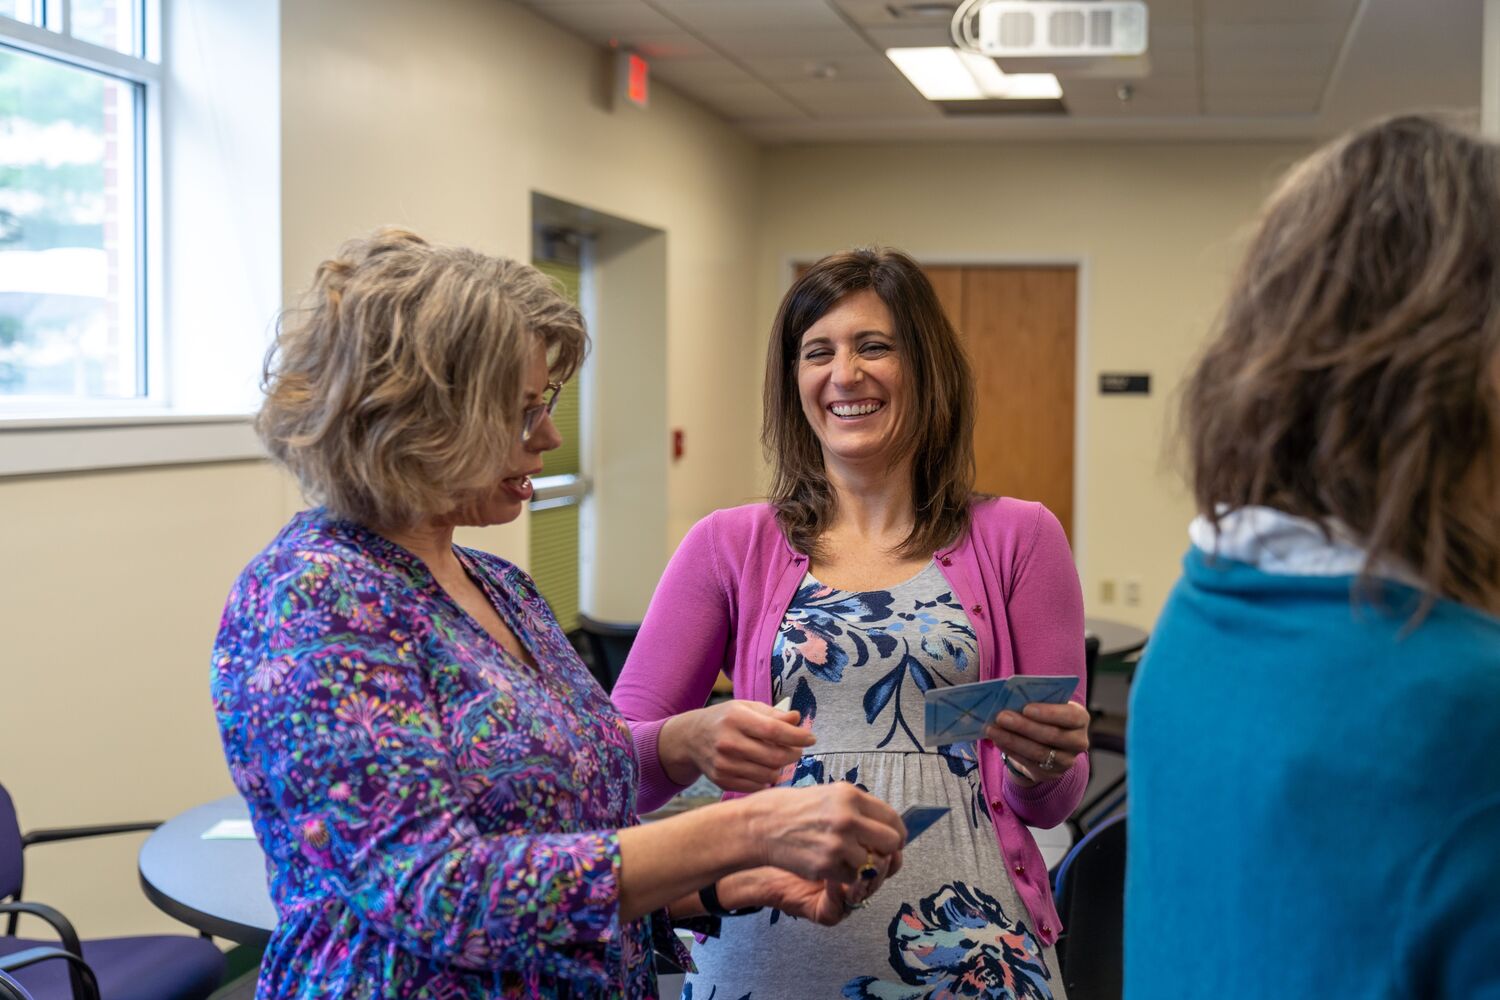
x,y
1046,929
997,805
1020,869
978,609
947,561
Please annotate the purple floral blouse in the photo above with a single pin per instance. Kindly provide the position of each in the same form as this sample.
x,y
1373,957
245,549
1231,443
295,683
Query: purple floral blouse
x,y
438,817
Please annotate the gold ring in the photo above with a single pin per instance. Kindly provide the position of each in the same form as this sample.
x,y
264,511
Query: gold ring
x,y
868,870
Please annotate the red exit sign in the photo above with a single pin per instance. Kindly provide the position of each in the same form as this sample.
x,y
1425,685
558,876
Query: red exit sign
x,y
632,80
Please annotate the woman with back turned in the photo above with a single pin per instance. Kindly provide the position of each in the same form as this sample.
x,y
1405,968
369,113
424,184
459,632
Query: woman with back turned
x,y
1315,805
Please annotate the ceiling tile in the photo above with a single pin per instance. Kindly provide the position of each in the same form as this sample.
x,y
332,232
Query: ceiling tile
x,y
744,100
866,67
1173,12
1149,98
886,13
667,45
1261,106
909,38
852,99
596,19
705,71
1278,11
750,15
829,43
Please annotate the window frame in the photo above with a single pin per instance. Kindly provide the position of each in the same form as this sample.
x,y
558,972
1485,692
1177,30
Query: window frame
x,y
145,76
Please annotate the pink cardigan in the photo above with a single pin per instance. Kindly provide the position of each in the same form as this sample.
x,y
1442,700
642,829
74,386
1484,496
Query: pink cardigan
x,y
722,599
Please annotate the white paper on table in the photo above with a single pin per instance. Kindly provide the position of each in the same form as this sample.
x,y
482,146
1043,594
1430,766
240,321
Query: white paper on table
x,y
230,829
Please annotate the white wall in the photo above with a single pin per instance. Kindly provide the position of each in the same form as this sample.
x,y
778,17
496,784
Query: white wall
x,y
441,117
1158,227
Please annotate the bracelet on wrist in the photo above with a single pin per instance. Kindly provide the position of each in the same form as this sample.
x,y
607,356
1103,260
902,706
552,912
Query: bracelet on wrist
x,y
709,897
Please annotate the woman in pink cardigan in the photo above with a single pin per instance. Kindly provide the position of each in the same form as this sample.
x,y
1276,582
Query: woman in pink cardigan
x,y
873,575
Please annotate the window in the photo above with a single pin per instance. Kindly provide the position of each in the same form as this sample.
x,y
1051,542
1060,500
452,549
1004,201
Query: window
x,y
77,131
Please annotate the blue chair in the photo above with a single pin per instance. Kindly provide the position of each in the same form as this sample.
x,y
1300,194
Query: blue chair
x,y
88,986
156,967
1090,893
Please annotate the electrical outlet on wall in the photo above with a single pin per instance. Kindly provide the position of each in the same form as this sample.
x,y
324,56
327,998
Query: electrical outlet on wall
x,y
1107,591
1132,593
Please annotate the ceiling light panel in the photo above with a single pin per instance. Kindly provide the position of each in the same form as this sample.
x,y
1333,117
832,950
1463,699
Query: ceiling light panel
x,y
946,74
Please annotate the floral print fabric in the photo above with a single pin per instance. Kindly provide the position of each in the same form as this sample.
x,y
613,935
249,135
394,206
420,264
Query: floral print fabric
x,y
438,816
949,924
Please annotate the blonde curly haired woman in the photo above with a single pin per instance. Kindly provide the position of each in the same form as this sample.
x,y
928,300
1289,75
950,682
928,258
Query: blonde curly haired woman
x,y
445,797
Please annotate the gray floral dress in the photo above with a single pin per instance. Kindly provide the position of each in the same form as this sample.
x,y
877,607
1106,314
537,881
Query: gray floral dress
x,y
950,923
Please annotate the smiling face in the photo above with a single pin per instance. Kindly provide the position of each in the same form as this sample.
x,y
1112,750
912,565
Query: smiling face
x,y
851,383
501,503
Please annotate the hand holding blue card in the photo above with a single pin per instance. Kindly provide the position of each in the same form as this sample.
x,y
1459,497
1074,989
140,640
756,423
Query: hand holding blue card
x,y
960,713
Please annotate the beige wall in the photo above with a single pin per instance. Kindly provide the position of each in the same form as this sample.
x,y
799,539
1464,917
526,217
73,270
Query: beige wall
x,y
1157,228
445,118
441,117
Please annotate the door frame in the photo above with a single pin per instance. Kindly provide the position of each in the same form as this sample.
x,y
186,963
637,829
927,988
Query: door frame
x,y
1081,397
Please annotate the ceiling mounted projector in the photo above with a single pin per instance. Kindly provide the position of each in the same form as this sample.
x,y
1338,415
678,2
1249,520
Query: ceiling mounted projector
x,y
1021,29
1048,28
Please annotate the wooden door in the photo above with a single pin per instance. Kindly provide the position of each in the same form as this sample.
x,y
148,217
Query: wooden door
x,y
1019,327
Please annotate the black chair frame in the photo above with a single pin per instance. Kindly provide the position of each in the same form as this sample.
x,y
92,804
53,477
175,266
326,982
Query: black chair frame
x,y
79,974
85,985
600,637
1109,798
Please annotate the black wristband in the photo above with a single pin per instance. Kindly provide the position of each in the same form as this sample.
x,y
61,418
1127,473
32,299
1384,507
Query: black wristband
x,y
709,897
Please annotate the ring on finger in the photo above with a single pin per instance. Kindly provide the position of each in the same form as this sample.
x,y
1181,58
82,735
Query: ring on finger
x,y
869,870
1050,762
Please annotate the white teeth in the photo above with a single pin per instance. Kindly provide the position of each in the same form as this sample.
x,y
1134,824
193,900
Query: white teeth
x,y
854,409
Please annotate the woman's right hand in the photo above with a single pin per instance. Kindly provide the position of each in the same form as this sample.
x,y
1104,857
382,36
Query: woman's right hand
x,y
825,832
742,746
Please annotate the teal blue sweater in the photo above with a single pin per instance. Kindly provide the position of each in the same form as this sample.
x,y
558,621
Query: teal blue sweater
x,y
1314,793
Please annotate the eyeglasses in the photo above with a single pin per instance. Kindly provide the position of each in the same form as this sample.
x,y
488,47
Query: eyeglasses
x,y
532,416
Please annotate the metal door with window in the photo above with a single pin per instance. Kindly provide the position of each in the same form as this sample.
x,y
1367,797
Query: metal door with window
x,y
554,524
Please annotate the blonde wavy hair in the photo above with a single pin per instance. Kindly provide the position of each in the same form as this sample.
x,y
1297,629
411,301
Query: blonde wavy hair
x,y
394,391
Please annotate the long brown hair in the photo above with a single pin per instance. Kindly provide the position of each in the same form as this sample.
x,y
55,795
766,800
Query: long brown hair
x,y
937,428
1353,378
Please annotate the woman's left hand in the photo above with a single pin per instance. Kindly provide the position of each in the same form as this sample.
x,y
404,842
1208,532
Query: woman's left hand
x,y
822,902
1045,740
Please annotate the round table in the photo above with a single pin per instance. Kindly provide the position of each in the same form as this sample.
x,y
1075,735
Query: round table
x,y
1115,638
216,886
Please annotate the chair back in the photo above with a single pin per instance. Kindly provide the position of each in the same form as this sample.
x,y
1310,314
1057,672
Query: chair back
x,y
12,867
1090,661
608,644
1091,903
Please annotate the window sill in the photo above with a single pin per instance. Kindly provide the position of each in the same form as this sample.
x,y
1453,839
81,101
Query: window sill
x,y
42,446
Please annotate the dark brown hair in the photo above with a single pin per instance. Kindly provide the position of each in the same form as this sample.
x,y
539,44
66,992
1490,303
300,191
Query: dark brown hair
x,y
1353,377
394,392
937,428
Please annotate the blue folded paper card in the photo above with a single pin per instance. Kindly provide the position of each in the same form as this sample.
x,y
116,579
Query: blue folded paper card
x,y
959,714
